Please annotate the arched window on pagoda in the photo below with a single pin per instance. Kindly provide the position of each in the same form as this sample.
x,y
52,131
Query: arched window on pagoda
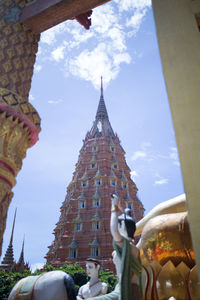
x,y
73,249
94,148
78,226
96,202
112,148
95,247
96,198
96,225
129,205
124,184
115,166
95,251
84,183
98,182
113,182
82,204
73,253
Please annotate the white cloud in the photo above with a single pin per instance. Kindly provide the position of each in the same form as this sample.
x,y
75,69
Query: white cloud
x,y
58,53
79,36
37,68
133,175
136,20
117,37
125,5
103,19
146,145
106,41
174,156
138,154
161,181
31,97
36,266
55,101
90,65
50,36
122,57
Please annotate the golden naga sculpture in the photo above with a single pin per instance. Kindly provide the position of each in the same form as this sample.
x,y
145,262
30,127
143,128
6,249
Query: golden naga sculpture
x,y
169,270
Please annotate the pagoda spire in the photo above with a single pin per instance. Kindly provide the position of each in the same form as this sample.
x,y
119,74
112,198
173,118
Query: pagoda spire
x,y
101,110
101,86
13,227
21,258
21,263
9,257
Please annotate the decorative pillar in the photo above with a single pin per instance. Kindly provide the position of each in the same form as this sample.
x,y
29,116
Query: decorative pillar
x,y
19,121
179,43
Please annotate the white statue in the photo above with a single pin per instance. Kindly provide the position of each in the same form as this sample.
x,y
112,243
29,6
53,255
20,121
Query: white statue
x,y
93,287
122,228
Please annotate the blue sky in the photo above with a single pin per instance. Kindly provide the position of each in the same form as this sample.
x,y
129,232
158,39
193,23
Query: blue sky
x,y
122,47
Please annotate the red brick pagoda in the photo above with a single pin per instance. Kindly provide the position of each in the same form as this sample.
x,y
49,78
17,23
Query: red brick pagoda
x,y
83,229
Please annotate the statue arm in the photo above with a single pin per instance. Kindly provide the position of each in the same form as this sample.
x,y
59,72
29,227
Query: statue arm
x,y
115,211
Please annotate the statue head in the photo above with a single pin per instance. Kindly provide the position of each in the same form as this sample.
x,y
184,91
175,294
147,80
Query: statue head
x,y
92,267
126,223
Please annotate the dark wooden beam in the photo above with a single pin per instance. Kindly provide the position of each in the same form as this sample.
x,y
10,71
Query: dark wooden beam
x,y
41,15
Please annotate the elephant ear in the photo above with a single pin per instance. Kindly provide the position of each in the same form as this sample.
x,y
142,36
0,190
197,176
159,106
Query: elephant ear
x,y
70,287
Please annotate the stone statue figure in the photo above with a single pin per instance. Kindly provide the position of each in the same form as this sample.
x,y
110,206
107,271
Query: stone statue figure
x,y
122,228
93,287
126,255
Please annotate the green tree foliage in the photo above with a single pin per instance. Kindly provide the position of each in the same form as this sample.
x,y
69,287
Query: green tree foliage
x,y
109,278
79,275
8,280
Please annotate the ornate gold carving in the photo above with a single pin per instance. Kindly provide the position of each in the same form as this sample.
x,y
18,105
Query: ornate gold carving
x,y
2,23
17,63
17,27
8,176
15,138
167,281
7,31
194,285
23,76
22,4
7,2
4,81
167,237
4,43
7,66
14,77
22,37
21,105
1,55
14,39
25,62
11,52
170,283
20,49
166,248
19,121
